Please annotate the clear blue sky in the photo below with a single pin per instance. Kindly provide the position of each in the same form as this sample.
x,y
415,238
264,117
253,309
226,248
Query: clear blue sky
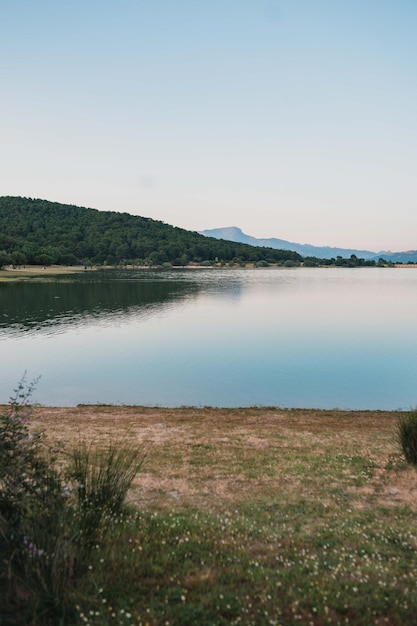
x,y
289,118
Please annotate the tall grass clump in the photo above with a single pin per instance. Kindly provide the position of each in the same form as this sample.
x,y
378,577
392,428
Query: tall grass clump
x,y
54,509
407,436
101,478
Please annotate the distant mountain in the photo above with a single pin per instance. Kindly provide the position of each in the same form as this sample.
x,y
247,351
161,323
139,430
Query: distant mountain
x,y
233,233
409,256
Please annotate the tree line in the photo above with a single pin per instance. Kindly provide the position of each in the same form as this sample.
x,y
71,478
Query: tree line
x,y
39,232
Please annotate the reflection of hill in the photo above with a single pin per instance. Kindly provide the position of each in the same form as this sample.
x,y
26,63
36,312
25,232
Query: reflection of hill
x,y
29,306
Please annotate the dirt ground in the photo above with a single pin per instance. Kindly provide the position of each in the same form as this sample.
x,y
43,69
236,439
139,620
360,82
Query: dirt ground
x,y
211,458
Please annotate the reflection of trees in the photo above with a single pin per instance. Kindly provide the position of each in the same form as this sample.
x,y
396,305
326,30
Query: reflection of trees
x,y
36,304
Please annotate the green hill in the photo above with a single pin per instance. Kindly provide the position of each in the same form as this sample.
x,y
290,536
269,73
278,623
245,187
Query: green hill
x,y
40,232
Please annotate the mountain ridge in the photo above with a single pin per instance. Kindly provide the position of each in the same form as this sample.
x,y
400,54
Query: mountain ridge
x,y
235,234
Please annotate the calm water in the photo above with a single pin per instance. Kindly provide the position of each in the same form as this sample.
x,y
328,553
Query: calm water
x,y
322,338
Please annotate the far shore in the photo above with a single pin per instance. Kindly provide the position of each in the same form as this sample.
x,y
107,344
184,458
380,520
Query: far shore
x,y
29,272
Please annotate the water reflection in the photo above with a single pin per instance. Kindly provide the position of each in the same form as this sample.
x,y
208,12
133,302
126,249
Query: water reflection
x,y
303,338
107,298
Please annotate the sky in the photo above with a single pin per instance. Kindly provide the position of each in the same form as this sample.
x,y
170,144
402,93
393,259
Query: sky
x,y
294,119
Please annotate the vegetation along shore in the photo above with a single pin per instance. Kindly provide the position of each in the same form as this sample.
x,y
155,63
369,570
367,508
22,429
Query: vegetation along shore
x,y
38,232
236,516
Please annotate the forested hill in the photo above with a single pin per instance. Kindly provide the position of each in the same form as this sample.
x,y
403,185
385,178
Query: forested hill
x,y
40,232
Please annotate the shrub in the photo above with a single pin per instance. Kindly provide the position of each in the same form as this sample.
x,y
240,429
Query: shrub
x,y
31,507
101,478
290,263
50,518
30,487
407,436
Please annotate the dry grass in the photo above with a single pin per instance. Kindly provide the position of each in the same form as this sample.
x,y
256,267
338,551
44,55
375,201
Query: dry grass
x,y
252,517
36,272
211,458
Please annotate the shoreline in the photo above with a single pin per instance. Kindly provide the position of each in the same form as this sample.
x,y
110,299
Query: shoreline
x,y
196,412
29,272
201,409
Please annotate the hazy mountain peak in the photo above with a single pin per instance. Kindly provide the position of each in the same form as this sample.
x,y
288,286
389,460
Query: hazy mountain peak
x,y
235,234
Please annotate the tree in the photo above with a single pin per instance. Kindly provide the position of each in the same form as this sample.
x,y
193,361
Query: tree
x,y
5,259
18,258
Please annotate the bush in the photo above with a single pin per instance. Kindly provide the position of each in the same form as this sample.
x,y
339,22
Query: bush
x,y
290,263
31,508
407,436
101,478
30,487
52,514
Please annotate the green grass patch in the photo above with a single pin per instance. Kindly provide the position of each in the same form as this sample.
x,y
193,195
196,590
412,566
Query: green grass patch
x,y
258,565
271,523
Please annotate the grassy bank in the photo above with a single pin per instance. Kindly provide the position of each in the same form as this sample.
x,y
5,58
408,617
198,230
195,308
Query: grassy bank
x,y
251,516
31,272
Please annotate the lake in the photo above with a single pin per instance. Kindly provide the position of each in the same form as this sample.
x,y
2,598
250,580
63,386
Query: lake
x,y
319,338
